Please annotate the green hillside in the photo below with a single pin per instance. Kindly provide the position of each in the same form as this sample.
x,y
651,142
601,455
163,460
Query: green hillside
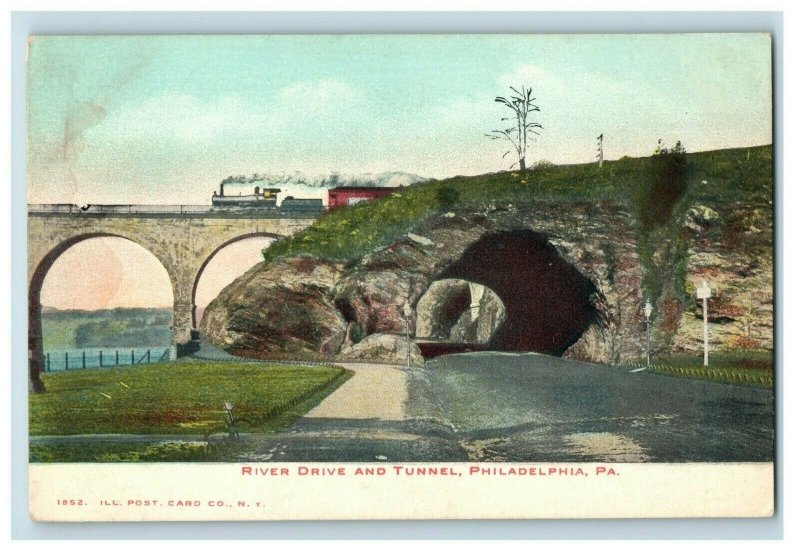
x,y
730,175
111,327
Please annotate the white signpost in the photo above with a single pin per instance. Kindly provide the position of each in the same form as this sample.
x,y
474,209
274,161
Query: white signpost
x,y
648,310
407,314
704,292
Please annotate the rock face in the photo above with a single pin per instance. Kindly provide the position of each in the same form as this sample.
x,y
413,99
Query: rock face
x,y
382,348
563,279
556,279
731,249
374,300
280,310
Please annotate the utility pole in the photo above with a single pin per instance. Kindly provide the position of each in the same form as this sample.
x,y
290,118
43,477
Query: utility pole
x,y
600,150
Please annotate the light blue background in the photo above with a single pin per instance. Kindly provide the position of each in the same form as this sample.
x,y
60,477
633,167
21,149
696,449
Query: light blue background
x,y
25,24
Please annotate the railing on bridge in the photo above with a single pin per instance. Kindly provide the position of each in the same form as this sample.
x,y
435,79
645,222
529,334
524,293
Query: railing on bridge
x,y
118,209
66,208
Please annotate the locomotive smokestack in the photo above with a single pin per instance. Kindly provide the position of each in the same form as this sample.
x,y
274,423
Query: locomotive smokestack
x,y
222,188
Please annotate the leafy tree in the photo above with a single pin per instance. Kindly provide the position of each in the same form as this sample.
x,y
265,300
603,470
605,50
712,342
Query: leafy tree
x,y
521,103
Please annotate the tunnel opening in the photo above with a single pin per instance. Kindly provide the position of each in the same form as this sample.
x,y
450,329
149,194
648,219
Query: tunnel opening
x,y
455,315
548,303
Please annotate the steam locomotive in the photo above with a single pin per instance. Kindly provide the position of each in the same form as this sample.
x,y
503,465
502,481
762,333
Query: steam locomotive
x,y
264,199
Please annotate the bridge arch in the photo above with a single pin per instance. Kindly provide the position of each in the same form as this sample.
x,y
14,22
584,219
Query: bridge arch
x,y
182,237
210,257
36,283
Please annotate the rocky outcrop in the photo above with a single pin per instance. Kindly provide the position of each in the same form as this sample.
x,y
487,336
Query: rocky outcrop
x,y
556,278
553,276
731,249
383,348
279,310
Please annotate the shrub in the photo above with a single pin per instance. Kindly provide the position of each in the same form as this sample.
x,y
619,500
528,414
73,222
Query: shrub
x,y
543,163
668,183
447,197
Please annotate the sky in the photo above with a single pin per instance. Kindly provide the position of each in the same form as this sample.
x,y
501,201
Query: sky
x,y
162,119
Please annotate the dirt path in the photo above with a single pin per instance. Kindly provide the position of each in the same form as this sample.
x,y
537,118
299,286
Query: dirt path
x,y
375,392
368,418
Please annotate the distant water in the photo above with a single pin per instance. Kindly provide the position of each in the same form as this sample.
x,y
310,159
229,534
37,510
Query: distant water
x,y
78,358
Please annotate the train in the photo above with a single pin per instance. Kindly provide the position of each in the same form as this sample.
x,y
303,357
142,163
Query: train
x,y
264,199
267,199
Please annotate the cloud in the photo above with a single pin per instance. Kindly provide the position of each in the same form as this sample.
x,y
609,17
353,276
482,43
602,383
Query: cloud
x,y
184,119
571,84
314,97
530,75
173,116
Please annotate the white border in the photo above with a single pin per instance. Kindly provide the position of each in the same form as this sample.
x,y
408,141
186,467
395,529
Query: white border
x,y
578,529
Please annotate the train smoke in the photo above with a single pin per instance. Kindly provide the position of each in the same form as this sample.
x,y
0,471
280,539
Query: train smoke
x,y
384,179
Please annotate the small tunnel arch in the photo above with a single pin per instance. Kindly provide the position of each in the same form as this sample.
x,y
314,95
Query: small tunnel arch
x,y
459,311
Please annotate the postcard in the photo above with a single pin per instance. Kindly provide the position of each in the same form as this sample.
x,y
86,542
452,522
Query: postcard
x,y
400,277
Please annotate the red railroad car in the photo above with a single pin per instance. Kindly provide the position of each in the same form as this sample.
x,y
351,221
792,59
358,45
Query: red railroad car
x,y
343,196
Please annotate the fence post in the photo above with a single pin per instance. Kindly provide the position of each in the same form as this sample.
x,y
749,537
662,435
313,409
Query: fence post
x,y
116,361
101,358
133,360
83,359
48,361
148,355
66,361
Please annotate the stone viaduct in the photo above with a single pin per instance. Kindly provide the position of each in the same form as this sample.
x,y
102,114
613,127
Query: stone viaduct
x,y
183,238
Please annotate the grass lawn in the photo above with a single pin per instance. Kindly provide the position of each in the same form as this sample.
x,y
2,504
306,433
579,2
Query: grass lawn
x,y
184,397
745,367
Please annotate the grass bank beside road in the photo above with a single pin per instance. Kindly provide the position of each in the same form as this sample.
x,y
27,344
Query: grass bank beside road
x,y
742,367
185,397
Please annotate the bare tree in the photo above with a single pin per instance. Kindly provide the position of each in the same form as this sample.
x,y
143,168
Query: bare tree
x,y
521,102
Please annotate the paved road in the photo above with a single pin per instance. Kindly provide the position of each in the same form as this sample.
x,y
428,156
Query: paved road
x,y
528,407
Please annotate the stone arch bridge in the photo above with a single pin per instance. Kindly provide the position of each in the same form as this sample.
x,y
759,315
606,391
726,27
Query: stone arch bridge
x,y
183,238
